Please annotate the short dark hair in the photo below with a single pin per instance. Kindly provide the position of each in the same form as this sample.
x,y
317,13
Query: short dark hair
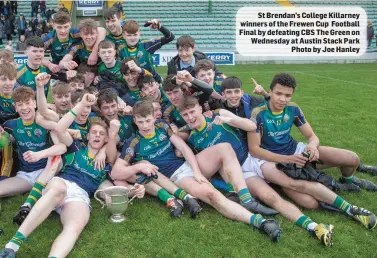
x,y
185,41
169,83
143,108
124,66
77,96
78,78
188,102
110,13
83,68
146,79
34,41
107,96
231,82
284,79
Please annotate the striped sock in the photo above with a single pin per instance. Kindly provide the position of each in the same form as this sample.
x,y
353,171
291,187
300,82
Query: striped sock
x,y
17,240
244,195
256,220
341,204
347,180
163,195
306,223
35,194
229,187
181,194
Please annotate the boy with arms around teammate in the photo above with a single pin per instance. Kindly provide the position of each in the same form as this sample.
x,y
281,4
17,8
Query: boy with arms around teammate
x,y
90,39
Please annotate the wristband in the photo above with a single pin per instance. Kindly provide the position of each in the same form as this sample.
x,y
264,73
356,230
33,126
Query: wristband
x,y
73,113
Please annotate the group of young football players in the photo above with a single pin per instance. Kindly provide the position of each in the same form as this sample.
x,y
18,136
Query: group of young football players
x,y
114,120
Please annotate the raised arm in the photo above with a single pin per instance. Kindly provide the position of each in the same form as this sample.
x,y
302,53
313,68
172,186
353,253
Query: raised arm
x,y
93,58
69,117
111,148
41,80
235,121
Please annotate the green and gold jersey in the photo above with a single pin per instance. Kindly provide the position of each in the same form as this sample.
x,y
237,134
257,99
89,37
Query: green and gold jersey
x,y
7,110
114,70
79,168
26,77
156,148
82,52
29,137
172,115
117,40
60,48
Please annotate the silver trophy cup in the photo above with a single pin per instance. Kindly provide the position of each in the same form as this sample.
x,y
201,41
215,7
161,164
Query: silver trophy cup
x,y
116,201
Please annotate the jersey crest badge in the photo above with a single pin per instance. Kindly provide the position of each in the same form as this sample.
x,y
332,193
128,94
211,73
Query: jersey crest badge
x,y
286,118
162,137
140,54
38,132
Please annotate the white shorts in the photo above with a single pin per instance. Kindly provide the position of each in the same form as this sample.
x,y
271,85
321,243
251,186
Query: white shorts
x,y
74,194
251,167
299,149
182,172
31,177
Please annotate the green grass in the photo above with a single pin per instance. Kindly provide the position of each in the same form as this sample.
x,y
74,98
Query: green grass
x,y
338,100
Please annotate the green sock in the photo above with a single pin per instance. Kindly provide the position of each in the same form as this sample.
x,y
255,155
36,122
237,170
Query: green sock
x,y
229,187
35,194
341,204
244,195
17,240
306,223
181,194
348,179
256,220
163,195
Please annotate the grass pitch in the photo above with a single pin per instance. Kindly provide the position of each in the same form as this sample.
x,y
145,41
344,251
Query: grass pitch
x,y
340,103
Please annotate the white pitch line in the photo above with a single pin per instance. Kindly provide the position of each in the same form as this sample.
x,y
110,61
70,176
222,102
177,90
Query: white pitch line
x,y
320,71
339,80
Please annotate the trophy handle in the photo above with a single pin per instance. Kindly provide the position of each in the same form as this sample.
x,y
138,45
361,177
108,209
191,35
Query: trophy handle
x,y
98,199
133,197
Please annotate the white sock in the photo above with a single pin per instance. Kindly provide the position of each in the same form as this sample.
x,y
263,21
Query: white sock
x,y
188,196
12,246
312,226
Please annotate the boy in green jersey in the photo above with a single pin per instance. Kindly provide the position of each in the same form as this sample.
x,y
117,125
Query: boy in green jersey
x,y
90,40
155,142
8,75
69,192
32,143
142,50
26,73
107,53
113,23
